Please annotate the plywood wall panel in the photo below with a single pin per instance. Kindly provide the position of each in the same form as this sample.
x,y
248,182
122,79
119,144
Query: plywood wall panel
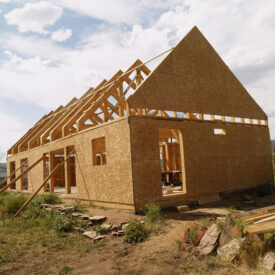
x,y
110,183
213,163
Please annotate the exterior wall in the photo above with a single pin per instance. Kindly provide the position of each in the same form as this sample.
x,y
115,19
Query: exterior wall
x,y
213,163
110,184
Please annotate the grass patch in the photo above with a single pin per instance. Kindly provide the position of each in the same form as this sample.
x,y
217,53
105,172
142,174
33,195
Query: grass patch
x,y
11,202
79,208
135,232
65,270
153,213
251,249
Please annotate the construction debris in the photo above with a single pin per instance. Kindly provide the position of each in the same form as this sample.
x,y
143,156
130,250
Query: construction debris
x,y
209,241
265,227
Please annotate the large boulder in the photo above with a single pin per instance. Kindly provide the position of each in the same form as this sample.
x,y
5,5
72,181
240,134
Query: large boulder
x,y
268,261
229,231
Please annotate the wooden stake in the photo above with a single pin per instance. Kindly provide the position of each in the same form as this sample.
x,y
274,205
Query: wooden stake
x,y
40,187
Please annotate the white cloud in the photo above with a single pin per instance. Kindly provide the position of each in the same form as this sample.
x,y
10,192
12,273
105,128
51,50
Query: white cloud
x,y
34,17
61,35
1,11
4,1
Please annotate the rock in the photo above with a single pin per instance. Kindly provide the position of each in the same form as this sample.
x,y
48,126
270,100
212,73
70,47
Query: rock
x,y
68,209
90,234
106,226
118,233
46,206
229,231
230,250
84,217
100,237
97,219
183,208
210,240
115,227
79,229
123,227
76,214
268,261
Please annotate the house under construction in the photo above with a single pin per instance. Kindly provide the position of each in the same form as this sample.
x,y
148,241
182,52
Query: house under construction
x,y
186,130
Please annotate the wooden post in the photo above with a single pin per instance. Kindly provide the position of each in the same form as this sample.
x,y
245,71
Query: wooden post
x,y
68,168
40,187
51,168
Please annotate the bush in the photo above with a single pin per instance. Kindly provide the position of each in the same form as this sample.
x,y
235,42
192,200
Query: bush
x,y
153,213
63,224
99,229
135,232
12,202
65,270
50,198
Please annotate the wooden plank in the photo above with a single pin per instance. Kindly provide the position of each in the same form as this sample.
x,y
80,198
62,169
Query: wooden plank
x,y
258,217
22,174
266,227
271,218
40,187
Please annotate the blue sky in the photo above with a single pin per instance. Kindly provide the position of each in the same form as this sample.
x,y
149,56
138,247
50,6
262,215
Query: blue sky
x,y
51,51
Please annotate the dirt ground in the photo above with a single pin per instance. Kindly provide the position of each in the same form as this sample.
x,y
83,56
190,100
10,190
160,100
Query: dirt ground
x,y
160,254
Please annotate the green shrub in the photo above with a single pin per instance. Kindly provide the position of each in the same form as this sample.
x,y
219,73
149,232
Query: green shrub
x,y
50,198
135,232
153,213
63,223
13,202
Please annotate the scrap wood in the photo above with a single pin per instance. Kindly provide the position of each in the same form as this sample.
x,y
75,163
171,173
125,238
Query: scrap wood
x,y
272,218
266,227
258,217
256,212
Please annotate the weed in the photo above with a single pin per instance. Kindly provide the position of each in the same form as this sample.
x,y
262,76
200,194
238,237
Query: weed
x,y
50,198
153,213
65,270
135,232
99,229
12,202
92,205
240,224
207,221
251,249
63,224
192,235
79,208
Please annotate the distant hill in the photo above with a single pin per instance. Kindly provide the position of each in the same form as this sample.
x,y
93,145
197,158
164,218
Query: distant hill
x,y
3,170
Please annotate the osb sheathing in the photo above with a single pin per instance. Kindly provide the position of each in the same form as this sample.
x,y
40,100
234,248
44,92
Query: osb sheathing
x,y
193,78
110,184
213,163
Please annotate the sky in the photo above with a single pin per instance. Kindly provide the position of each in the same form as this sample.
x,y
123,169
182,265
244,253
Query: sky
x,y
52,51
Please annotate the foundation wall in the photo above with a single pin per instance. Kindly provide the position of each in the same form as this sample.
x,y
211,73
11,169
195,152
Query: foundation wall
x,y
213,163
110,184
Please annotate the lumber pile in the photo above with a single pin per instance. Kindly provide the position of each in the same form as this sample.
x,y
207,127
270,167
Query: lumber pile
x,y
259,221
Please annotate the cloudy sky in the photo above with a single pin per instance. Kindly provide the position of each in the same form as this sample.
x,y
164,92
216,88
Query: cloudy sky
x,y
51,51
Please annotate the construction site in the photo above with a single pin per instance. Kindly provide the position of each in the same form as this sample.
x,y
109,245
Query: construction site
x,y
176,162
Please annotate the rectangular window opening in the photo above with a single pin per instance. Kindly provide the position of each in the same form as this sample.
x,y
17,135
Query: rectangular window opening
x,y
24,179
99,151
12,170
171,154
219,131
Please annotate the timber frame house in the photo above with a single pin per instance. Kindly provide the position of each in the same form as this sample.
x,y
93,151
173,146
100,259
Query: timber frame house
x,y
184,131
